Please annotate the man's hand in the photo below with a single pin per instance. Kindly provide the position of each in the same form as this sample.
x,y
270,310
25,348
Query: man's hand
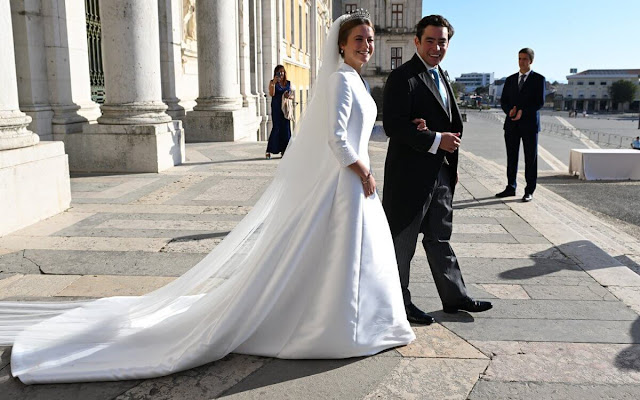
x,y
421,124
518,116
449,141
512,112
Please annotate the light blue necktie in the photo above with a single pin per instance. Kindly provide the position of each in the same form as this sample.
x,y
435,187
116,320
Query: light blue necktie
x,y
436,78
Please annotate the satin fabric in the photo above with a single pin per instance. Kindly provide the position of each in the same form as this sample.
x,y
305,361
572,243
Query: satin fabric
x,y
310,272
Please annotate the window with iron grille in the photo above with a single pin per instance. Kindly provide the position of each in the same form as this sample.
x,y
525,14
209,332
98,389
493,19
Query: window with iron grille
x,y
350,7
396,15
396,57
94,28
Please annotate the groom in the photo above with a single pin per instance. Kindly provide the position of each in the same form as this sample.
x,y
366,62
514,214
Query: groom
x,y
424,125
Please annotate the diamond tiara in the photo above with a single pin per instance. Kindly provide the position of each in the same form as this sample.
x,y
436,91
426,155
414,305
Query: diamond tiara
x,y
360,13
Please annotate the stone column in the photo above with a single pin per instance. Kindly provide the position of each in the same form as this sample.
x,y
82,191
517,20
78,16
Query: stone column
x,y
271,32
171,29
258,65
33,91
218,81
131,52
13,122
67,59
218,114
34,177
244,52
134,133
247,41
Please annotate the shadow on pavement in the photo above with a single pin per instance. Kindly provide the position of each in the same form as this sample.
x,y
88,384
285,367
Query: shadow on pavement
x,y
629,358
189,238
480,202
460,316
631,264
231,160
279,371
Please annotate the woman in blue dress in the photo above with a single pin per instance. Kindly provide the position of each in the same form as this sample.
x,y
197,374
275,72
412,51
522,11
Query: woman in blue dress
x,y
281,131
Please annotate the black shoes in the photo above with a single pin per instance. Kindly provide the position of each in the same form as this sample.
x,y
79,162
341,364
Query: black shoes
x,y
417,316
508,192
469,305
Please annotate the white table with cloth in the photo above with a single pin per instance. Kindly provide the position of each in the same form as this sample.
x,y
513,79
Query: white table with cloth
x,y
605,164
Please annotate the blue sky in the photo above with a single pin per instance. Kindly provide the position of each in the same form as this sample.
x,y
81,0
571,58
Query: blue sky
x,y
564,34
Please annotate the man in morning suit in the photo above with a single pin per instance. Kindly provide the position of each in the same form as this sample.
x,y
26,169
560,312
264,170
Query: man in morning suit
x,y
522,98
424,125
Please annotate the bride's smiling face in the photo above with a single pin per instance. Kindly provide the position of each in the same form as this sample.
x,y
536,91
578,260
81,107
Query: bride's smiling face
x,y
359,46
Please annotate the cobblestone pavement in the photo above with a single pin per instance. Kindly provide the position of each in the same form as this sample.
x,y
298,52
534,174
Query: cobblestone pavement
x,y
565,322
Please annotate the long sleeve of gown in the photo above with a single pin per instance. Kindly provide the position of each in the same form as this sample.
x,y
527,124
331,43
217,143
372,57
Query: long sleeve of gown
x,y
340,101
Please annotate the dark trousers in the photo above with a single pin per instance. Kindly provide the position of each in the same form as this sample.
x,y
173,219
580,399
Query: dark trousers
x,y
435,222
529,140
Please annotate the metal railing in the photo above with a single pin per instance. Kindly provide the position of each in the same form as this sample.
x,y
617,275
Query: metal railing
x,y
605,139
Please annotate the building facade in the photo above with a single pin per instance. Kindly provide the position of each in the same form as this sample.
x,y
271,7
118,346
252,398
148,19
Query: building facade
x,y
394,24
120,85
474,80
305,25
589,90
495,90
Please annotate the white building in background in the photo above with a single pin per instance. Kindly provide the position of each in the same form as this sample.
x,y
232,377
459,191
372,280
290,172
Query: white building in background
x,y
474,80
589,90
495,90
119,85
394,23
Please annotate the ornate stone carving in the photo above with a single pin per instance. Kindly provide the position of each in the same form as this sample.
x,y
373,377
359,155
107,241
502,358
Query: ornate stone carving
x,y
189,30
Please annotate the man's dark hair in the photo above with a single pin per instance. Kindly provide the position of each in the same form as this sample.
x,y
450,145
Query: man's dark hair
x,y
528,52
435,20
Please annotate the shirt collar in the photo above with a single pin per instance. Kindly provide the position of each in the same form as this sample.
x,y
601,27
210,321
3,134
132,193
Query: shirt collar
x,y
525,75
429,68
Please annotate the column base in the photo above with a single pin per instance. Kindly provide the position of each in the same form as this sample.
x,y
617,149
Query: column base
x,y
36,185
221,126
73,118
41,116
125,148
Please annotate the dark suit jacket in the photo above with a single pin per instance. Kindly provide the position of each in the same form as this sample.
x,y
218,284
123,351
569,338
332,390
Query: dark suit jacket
x,y
411,172
530,100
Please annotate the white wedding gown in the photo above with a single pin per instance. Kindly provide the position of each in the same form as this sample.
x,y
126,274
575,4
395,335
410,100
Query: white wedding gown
x,y
309,273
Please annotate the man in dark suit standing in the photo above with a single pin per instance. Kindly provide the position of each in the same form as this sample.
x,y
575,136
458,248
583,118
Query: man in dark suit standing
x,y
522,98
424,125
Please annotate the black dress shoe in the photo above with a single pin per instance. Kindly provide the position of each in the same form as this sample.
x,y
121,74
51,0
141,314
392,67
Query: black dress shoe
x,y
469,305
506,193
417,316
527,197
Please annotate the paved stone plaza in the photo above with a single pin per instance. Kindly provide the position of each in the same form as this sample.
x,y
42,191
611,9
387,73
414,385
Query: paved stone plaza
x,y
565,322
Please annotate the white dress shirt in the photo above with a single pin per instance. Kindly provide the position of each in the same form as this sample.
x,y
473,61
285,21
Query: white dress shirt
x,y
436,141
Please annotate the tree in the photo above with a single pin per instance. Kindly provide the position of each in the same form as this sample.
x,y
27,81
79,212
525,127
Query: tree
x,y
622,91
480,90
458,89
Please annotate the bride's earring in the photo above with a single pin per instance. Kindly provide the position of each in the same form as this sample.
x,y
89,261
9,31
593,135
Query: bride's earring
x,y
341,51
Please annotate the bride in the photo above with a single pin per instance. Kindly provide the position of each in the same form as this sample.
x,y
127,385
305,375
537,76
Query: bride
x,y
310,272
